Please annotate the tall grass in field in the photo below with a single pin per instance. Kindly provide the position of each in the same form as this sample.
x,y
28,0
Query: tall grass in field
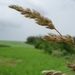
x,y
43,21
28,61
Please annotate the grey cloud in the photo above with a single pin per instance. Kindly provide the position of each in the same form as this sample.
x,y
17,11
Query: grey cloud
x,y
67,5
8,24
2,4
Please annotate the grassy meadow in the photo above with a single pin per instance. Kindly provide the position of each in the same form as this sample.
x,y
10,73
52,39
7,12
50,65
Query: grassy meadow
x,y
16,44
24,59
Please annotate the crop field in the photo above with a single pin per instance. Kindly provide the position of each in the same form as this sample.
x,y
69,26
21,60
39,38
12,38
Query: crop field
x,y
23,59
16,44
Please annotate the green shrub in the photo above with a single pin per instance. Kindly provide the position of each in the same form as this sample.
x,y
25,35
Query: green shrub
x,y
70,49
31,40
37,44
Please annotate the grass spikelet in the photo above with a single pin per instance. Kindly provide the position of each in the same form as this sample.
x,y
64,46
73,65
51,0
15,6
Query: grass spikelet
x,y
53,72
72,66
58,38
17,7
52,38
41,20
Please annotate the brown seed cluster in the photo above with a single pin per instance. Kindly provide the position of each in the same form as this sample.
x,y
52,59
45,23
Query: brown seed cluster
x,y
41,20
53,72
58,38
72,66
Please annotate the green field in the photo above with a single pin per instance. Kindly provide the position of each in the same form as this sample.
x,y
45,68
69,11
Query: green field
x,y
16,44
23,59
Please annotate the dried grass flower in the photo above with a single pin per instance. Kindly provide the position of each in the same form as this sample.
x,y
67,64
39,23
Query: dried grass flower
x,y
72,66
58,38
33,14
53,72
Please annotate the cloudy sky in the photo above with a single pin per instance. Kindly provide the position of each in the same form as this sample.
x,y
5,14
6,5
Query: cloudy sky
x,y
14,26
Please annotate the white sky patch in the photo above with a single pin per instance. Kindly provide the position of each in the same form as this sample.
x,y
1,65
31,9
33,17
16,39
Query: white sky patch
x,y
14,26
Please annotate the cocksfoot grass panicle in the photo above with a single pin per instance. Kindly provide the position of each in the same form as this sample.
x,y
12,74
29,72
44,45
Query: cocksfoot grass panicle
x,y
43,21
72,66
33,14
53,72
58,38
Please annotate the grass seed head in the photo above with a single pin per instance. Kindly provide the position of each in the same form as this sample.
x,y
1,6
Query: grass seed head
x,y
41,20
53,72
72,66
58,38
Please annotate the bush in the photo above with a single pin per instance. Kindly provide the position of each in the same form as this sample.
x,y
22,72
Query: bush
x,y
31,40
49,50
70,49
37,44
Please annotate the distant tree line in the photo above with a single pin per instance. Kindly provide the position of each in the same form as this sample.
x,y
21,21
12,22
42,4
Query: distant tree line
x,y
49,47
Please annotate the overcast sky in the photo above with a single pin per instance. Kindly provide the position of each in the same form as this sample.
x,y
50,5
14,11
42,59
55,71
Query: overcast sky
x,y
14,26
